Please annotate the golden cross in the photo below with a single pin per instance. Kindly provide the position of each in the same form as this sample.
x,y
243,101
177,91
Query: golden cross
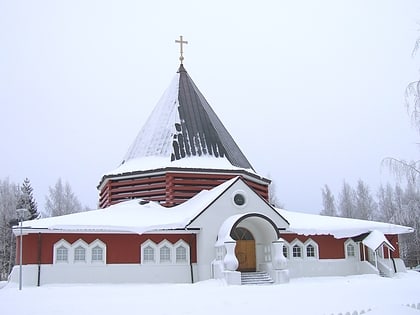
x,y
181,42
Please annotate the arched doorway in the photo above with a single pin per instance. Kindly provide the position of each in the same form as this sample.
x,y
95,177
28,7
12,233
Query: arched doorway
x,y
245,249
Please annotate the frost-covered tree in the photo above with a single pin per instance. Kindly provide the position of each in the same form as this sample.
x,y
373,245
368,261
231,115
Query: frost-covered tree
x,y
328,202
26,199
8,201
346,201
272,196
387,205
61,200
366,206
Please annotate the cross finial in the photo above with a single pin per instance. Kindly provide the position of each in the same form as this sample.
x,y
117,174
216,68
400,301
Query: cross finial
x,y
181,42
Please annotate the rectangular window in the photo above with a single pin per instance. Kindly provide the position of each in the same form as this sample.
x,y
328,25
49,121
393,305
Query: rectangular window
x,y
148,254
97,254
79,254
181,254
165,254
62,254
297,251
310,251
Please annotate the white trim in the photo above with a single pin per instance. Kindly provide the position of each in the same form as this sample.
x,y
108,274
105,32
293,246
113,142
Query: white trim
x,y
82,244
356,249
154,247
59,244
167,244
102,245
315,246
294,243
244,195
187,252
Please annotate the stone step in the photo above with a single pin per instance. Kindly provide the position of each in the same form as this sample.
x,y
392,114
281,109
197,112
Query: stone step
x,y
258,277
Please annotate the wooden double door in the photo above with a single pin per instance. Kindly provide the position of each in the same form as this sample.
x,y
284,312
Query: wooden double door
x,y
245,249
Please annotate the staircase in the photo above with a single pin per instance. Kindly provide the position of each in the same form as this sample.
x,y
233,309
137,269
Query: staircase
x,y
258,277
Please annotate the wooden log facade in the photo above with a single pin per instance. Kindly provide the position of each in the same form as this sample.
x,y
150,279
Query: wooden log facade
x,y
171,187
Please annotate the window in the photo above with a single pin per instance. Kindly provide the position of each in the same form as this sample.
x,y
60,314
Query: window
x,y
79,254
297,251
310,251
148,254
165,254
62,254
285,251
181,254
97,254
350,250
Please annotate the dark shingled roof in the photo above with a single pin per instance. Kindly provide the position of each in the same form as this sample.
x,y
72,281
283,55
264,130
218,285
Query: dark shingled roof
x,y
195,130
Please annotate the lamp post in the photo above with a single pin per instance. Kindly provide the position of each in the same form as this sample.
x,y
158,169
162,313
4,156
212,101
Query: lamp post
x,y
21,213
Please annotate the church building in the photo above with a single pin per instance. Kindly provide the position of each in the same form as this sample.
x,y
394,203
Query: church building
x,y
186,205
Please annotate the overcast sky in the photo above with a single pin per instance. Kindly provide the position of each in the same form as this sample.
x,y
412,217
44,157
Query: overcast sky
x,y
312,91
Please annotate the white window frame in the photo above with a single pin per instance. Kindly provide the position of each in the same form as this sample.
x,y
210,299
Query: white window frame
x,y
101,245
187,252
297,242
59,244
155,250
356,249
169,245
80,243
314,245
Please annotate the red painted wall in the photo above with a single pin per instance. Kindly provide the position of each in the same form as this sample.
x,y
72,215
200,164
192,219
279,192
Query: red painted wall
x,y
333,248
120,248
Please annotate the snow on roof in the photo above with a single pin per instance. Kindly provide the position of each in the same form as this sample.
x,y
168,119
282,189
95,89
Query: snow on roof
x,y
376,239
138,217
153,163
133,216
313,224
181,126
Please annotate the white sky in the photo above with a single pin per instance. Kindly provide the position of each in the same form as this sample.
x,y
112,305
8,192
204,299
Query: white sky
x,y
312,91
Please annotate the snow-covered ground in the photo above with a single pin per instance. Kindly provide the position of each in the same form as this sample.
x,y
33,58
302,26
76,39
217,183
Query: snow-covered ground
x,y
368,294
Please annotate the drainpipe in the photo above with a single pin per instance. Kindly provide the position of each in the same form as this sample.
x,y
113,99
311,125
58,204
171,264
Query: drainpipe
x,y
39,259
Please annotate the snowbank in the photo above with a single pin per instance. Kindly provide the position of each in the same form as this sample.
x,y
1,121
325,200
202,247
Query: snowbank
x,y
370,294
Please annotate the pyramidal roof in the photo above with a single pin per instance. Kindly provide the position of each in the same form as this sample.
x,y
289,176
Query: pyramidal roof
x,y
183,126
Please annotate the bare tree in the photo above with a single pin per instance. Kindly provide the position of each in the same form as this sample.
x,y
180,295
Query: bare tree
x,y
346,201
8,200
61,200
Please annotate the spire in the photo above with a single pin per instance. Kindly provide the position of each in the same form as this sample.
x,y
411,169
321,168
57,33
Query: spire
x,y
183,125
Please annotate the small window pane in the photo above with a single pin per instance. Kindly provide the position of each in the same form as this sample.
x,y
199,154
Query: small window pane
x,y
62,254
97,254
181,254
165,254
297,251
148,254
79,254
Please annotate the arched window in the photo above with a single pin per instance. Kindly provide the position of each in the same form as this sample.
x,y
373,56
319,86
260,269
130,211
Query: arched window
x,y
241,234
165,254
79,254
62,254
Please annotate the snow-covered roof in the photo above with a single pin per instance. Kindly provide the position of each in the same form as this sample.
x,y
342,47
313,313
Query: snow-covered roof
x,y
312,224
376,239
137,216
181,126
